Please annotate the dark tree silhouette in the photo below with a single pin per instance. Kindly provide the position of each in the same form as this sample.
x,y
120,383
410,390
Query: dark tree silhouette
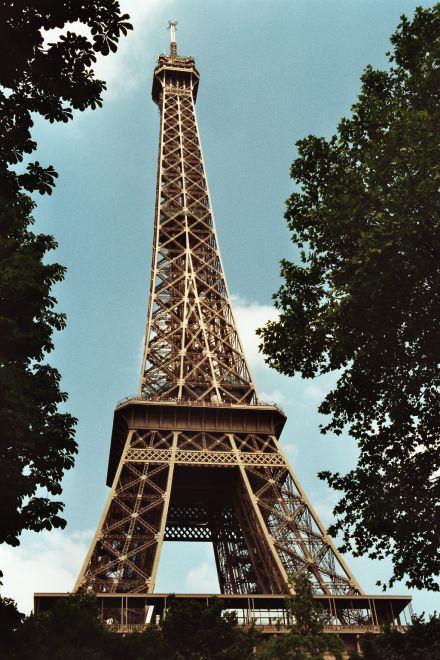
x,y
72,630
37,442
194,630
51,79
422,640
364,300
10,621
36,439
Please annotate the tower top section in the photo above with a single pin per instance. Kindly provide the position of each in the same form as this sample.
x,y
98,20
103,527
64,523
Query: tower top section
x,y
192,349
174,70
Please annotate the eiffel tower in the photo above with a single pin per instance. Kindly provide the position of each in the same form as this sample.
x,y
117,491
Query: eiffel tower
x,y
196,455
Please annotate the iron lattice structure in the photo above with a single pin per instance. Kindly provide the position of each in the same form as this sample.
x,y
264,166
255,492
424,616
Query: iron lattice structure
x,y
195,457
193,350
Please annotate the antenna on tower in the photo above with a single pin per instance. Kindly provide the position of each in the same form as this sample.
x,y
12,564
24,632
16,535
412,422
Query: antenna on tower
x,y
173,46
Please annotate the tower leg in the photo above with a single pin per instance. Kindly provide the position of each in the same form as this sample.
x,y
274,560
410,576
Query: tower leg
x,y
124,554
166,506
272,559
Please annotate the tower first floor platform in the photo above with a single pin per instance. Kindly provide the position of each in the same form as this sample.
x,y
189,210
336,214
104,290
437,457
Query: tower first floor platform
x,y
347,616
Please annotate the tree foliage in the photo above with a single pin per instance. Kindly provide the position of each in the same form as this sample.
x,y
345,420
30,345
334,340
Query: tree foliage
x,y
72,630
364,301
306,639
10,621
195,630
421,640
37,442
51,79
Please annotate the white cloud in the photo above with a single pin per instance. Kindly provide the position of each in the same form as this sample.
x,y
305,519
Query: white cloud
x,y
141,10
314,393
291,450
325,512
202,579
273,396
44,562
126,69
324,506
249,317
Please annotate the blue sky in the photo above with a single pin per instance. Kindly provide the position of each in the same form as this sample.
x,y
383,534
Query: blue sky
x,y
272,72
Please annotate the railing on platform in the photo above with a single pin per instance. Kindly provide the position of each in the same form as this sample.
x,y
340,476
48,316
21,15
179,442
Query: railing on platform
x,y
269,628
361,629
127,627
192,402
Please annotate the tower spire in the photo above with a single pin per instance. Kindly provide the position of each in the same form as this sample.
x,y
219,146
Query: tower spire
x,y
172,25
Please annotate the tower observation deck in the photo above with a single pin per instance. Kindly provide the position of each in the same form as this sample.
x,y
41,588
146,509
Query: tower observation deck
x,y
195,456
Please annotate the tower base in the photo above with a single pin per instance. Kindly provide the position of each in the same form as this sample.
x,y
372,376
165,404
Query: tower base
x,y
347,616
